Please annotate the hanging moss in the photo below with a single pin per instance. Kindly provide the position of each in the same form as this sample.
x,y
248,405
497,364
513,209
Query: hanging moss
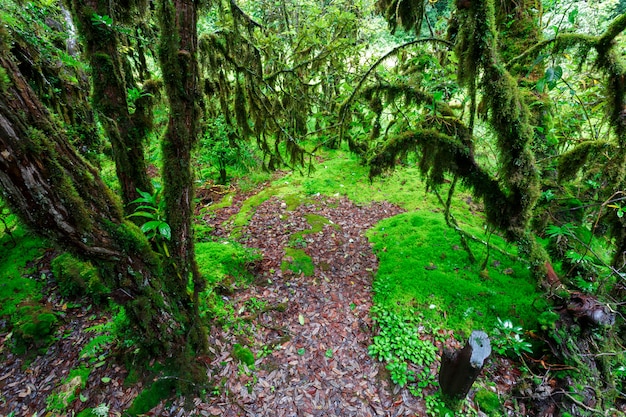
x,y
571,162
405,13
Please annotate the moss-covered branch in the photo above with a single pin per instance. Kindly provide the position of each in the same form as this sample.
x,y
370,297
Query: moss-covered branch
x,y
126,133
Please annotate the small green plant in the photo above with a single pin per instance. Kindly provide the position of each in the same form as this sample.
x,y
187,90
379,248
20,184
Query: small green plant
x,y
619,209
152,208
399,372
135,94
255,305
399,338
105,20
507,339
243,354
436,406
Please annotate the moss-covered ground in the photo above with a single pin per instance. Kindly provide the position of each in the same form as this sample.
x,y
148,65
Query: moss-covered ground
x,y
424,268
17,255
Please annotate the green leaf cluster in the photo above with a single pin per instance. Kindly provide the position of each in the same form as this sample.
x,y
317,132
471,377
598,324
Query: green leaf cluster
x,y
152,208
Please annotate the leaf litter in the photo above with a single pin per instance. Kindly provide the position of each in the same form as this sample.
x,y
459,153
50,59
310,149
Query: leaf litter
x,y
293,374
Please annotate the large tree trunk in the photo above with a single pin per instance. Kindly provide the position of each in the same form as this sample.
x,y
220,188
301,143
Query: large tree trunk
x,y
125,132
177,55
58,194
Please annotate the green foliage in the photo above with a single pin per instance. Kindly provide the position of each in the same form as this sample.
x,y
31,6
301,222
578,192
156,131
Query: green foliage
x,y
399,338
152,207
243,354
76,278
399,372
507,339
402,342
105,20
219,149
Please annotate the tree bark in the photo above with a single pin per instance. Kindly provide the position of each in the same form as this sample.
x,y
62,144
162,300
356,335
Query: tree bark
x,y
58,194
125,132
179,64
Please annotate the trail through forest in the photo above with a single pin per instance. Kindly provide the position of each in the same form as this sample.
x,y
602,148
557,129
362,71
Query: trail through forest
x,y
309,333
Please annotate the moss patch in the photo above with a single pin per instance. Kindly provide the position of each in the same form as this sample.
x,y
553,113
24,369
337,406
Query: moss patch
x,y
298,262
488,402
67,393
15,287
423,270
151,396
34,328
226,260
243,354
76,278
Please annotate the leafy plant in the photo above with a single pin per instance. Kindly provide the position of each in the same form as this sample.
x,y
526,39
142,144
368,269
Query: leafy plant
x,y
105,20
152,208
619,209
134,94
399,372
507,339
399,338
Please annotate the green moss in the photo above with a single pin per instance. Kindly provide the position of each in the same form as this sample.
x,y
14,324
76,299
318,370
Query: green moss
x,y
132,239
298,262
316,222
15,285
219,260
66,393
423,270
34,328
150,397
247,209
489,402
76,278
243,354
5,81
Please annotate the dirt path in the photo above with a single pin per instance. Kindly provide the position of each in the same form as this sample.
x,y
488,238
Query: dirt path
x,y
320,367
311,356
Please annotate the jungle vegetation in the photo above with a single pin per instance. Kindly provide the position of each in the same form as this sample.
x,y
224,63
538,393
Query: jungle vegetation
x,y
520,104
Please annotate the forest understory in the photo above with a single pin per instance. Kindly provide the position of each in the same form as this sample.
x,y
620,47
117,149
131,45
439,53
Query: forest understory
x,y
310,333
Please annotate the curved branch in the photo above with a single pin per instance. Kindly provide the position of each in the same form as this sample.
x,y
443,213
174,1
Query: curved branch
x,y
565,40
348,101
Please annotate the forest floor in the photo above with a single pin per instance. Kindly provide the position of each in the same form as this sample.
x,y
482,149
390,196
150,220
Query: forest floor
x,y
310,333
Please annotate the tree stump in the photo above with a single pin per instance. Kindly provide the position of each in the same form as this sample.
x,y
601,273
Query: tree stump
x,y
459,369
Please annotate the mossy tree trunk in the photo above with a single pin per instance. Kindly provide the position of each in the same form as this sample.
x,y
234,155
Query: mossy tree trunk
x,y
58,194
125,132
178,58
